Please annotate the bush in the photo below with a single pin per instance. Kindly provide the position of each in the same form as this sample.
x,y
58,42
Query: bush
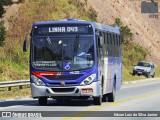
x,y
118,21
77,3
124,30
132,52
92,14
2,34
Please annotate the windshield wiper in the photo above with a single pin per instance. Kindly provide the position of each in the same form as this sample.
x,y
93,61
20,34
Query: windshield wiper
x,y
48,40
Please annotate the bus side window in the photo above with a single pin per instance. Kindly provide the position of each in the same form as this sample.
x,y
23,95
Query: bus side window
x,y
120,42
106,44
112,43
104,38
109,39
116,46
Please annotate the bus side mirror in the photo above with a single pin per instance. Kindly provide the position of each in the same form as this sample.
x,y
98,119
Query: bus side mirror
x,y
25,45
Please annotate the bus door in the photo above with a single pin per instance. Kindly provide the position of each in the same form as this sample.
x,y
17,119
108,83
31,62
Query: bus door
x,y
100,54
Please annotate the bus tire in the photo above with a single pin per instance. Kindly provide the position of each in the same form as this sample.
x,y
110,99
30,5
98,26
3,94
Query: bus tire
x,y
104,98
42,101
111,96
97,100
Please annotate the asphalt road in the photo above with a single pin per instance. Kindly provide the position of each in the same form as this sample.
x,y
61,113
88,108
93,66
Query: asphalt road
x,y
139,96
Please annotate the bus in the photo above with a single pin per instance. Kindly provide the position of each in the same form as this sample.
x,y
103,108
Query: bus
x,y
74,59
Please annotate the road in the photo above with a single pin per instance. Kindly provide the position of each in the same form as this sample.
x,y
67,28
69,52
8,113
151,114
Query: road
x,y
139,96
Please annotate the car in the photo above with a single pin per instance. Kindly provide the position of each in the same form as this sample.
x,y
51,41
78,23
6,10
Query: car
x,y
144,68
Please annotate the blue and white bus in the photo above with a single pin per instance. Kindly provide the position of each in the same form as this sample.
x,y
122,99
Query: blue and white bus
x,y
74,59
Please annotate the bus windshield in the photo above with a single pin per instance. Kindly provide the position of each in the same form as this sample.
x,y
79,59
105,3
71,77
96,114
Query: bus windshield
x,y
62,53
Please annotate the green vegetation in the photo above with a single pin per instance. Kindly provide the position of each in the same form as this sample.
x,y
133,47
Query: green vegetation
x,y
15,93
2,34
2,27
130,49
14,64
157,74
131,52
92,14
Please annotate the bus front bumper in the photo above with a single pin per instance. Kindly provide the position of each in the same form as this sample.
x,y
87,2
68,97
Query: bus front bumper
x,y
72,91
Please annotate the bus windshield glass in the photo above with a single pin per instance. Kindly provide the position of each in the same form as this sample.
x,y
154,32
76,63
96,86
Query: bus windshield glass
x,y
62,53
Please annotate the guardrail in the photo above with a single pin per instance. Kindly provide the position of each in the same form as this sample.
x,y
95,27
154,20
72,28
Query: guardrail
x,y
9,85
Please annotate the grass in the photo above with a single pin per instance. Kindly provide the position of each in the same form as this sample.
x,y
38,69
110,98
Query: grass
x,y
131,53
127,74
15,93
14,64
157,73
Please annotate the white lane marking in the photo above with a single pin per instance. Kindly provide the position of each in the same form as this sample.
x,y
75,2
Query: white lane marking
x,y
139,85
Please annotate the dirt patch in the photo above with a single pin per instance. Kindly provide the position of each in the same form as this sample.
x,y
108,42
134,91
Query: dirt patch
x,y
145,29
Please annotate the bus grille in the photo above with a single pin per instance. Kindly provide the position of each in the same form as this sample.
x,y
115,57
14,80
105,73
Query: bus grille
x,y
63,89
66,84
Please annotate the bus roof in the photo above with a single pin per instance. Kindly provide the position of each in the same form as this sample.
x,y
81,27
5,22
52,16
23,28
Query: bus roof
x,y
100,26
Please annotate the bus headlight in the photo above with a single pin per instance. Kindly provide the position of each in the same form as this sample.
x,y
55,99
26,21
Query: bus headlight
x,y
88,80
37,81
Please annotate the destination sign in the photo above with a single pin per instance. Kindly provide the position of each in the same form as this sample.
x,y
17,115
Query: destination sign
x,y
67,29
58,29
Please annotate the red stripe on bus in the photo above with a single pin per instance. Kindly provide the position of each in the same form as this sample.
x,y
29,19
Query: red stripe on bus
x,y
40,74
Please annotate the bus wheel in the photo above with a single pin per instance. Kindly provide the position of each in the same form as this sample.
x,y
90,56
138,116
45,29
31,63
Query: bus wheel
x,y
111,96
97,100
104,98
42,101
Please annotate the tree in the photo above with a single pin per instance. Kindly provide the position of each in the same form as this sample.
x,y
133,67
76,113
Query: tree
x,y
2,34
3,3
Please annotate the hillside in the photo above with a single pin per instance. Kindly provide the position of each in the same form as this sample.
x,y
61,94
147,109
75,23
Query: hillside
x,y
14,64
19,18
145,29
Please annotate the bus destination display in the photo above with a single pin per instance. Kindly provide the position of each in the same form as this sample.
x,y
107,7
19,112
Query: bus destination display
x,y
39,30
